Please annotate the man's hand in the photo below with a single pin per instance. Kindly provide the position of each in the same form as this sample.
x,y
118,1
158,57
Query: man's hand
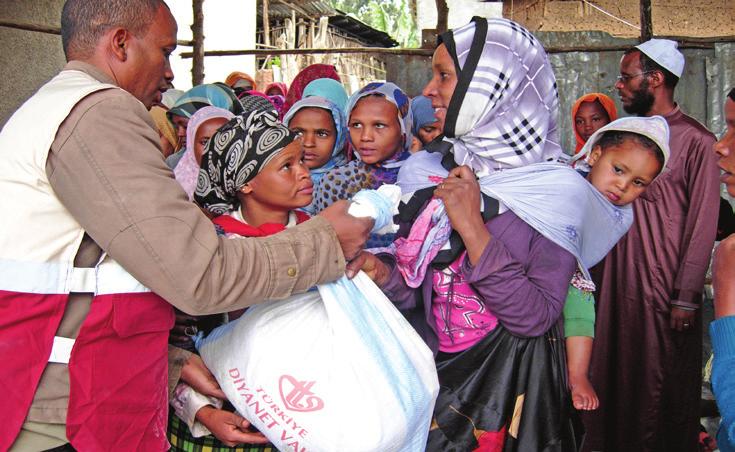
x,y
230,428
681,319
371,265
195,374
183,330
352,232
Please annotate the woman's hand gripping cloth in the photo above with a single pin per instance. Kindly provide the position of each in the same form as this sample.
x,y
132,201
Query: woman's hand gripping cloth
x,y
338,369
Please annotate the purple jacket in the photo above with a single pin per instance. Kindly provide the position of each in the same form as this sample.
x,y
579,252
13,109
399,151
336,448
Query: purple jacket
x,y
522,277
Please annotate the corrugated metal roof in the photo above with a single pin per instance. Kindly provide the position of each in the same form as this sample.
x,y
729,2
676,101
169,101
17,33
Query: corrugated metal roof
x,y
281,10
313,9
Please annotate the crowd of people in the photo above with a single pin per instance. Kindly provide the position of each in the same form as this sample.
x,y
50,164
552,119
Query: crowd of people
x,y
560,290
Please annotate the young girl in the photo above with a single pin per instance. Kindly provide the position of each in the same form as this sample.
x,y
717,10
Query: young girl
x,y
276,89
202,125
589,113
321,125
623,158
252,181
200,96
379,125
426,126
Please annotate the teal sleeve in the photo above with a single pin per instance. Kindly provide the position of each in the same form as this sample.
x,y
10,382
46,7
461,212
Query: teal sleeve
x,y
579,313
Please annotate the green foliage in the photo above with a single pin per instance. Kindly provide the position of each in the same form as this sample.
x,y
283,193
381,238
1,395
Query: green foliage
x,y
390,16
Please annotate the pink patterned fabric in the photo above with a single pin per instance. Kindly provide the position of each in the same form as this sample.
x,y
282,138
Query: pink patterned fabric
x,y
462,319
428,234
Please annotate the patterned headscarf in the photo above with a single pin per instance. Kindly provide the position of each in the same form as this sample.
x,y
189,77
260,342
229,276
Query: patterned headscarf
x,y
210,95
235,155
504,110
306,76
607,104
256,103
187,170
338,157
395,95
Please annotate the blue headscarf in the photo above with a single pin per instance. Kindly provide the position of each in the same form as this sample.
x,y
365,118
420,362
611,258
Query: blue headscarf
x,y
329,89
209,95
338,157
423,113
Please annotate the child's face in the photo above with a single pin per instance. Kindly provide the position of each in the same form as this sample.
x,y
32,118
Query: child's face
x,y
590,117
316,128
204,133
429,132
180,123
622,172
725,149
374,129
284,183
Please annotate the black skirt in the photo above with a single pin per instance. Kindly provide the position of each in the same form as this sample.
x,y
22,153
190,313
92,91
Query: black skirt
x,y
505,393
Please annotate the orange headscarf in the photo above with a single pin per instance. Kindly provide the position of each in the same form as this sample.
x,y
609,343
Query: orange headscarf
x,y
607,103
236,76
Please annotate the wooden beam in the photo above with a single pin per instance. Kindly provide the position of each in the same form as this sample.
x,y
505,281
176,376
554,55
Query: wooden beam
x,y
265,52
646,21
266,25
428,52
51,30
197,30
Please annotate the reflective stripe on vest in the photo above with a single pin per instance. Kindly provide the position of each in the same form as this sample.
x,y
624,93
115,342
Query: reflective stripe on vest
x,y
117,365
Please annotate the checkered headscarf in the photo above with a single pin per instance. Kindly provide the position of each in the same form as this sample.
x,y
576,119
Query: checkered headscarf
x,y
504,110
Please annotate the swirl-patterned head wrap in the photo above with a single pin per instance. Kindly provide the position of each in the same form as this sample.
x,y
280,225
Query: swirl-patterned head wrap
x,y
235,155
504,110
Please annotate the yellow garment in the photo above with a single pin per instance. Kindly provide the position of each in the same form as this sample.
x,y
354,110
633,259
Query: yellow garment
x,y
164,125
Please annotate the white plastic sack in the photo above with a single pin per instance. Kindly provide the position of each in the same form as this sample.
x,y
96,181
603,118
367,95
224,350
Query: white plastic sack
x,y
335,370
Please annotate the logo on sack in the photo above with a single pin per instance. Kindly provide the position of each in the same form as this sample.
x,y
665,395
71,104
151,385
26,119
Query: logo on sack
x,y
297,395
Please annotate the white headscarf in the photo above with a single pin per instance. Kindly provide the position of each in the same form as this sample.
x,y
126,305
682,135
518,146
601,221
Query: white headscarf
x,y
504,110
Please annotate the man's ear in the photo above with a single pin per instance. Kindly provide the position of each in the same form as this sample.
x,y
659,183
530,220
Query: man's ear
x,y
594,155
119,39
656,79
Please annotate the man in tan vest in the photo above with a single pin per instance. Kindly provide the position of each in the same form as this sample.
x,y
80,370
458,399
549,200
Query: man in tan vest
x,y
101,234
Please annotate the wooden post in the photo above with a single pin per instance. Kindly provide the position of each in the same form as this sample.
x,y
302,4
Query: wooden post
x,y
197,30
412,9
442,14
646,21
266,24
